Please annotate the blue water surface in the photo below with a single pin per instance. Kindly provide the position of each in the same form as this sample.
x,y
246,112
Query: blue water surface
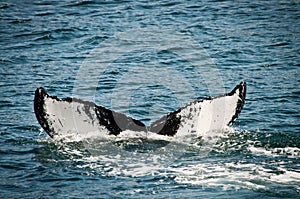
x,y
47,43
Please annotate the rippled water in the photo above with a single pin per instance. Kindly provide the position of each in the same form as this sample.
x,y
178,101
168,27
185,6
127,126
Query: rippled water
x,y
47,43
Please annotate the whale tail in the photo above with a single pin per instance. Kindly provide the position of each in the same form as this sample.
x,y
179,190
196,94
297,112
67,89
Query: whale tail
x,y
71,117
201,116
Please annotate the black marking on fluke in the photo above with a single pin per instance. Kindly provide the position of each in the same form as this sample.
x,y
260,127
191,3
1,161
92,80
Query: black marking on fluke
x,y
168,125
115,122
241,89
106,117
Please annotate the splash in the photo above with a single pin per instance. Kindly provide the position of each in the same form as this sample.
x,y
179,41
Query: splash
x,y
236,160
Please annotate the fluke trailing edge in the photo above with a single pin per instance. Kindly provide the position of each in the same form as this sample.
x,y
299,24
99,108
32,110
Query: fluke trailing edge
x,y
71,116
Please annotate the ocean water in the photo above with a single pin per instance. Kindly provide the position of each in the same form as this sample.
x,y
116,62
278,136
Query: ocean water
x,y
146,59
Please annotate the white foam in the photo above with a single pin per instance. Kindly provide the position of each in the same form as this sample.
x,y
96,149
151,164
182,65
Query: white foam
x,y
234,176
287,177
291,152
110,159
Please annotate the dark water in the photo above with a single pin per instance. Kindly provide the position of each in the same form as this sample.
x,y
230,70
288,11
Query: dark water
x,y
48,43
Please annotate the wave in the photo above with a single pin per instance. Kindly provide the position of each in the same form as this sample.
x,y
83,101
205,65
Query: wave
x,y
237,160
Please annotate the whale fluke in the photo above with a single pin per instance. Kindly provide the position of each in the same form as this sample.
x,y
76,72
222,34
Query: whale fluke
x,y
71,117
201,116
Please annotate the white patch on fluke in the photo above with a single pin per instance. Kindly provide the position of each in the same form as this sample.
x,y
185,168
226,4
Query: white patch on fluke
x,y
208,115
72,120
